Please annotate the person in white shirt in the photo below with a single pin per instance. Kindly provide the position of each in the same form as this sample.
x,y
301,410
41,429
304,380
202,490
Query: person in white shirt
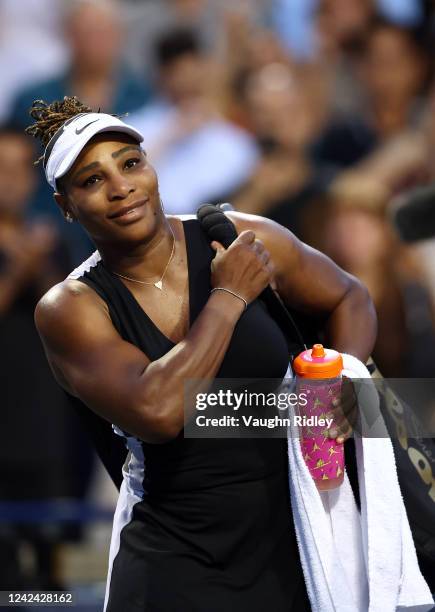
x,y
188,142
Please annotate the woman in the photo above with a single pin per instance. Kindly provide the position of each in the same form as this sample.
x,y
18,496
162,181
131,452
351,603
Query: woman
x,y
207,526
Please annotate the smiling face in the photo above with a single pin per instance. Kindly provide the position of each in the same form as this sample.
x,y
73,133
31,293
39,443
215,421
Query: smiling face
x,y
112,191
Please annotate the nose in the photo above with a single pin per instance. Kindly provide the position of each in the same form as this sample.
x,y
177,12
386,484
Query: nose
x,y
119,187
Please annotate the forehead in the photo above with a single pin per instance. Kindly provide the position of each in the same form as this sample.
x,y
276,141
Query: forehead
x,y
100,148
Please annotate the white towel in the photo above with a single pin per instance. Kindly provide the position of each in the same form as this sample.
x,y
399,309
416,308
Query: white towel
x,y
357,562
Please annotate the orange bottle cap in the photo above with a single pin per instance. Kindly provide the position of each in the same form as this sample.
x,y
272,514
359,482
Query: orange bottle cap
x,y
318,362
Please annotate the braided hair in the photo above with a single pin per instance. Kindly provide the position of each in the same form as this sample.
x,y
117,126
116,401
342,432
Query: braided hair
x,y
49,118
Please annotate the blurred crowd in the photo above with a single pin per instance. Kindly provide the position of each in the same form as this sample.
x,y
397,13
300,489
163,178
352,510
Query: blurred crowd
x,y
314,113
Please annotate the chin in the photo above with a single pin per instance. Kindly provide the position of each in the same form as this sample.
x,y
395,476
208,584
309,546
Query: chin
x,y
132,229
139,231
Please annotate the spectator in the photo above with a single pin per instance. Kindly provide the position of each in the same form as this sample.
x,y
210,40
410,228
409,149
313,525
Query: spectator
x,y
342,23
147,21
360,240
93,32
294,23
394,70
31,47
285,122
41,455
341,28
187,140
94,36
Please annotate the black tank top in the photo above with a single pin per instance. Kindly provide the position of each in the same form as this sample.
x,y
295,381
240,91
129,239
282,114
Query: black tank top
x,y
209,525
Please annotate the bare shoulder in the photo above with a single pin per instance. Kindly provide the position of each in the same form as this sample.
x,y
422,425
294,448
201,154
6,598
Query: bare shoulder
x,y
282,244
265,229
67,304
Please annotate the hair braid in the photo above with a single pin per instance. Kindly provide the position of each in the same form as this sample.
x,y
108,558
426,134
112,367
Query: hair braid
x,y
49,118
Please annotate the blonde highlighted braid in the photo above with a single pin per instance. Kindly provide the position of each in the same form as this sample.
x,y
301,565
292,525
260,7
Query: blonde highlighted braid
x,y
49,118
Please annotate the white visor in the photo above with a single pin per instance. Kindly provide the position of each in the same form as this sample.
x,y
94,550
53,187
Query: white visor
x,y
68,142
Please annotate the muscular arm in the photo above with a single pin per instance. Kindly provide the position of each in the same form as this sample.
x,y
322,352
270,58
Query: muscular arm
x,y
310,282
113,377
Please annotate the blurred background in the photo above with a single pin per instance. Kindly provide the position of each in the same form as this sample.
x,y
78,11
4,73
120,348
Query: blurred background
x,y
315,113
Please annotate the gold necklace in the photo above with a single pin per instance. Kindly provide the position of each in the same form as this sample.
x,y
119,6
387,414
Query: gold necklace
x,y
158,284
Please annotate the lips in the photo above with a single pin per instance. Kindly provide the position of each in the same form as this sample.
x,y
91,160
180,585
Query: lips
x,y
126,210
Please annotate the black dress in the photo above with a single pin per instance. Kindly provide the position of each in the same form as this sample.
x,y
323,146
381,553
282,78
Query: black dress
x,y
202,525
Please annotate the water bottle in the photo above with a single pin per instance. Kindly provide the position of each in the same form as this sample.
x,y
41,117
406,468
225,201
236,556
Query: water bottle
x,y
318,379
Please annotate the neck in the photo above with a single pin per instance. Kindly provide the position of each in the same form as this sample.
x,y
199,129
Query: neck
x,y
144,261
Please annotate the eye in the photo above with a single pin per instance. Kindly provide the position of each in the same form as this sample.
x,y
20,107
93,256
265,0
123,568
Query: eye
x,y
91,180
132,161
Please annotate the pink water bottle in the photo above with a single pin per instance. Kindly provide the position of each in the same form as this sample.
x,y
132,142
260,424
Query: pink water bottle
x,y
318,377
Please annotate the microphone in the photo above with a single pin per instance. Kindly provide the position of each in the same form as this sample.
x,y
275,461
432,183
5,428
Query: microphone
x,y
219,227
216,224
413,214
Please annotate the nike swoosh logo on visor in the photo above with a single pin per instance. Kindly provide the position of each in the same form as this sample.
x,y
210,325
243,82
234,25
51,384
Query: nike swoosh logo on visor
x,y
79,131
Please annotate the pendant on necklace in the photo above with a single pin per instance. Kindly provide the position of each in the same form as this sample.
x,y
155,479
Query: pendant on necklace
x,y
159,285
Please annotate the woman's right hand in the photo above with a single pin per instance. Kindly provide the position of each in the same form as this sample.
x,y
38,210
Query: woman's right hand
x,y
244,267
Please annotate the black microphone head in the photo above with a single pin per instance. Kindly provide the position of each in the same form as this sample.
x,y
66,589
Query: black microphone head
x,y
216,224
413,214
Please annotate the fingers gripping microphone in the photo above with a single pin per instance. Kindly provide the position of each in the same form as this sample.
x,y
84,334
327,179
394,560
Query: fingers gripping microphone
x,y
219,227
413,214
